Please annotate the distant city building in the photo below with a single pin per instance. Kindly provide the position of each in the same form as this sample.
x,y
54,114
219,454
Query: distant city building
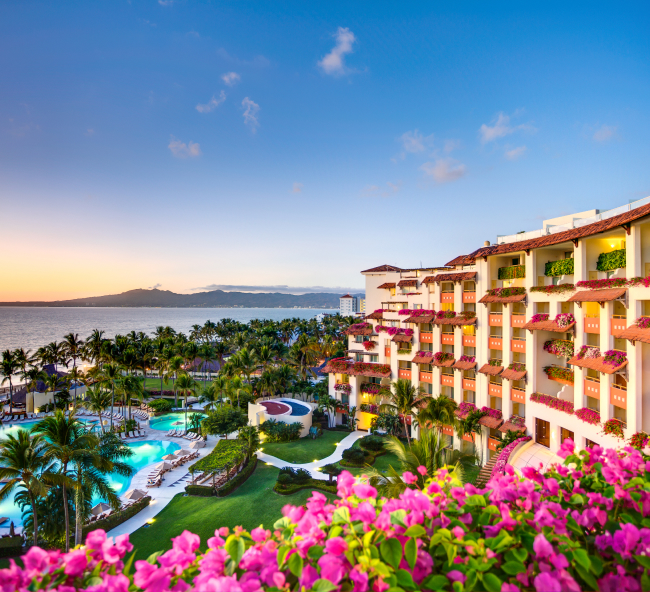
x,y
348,305
362,305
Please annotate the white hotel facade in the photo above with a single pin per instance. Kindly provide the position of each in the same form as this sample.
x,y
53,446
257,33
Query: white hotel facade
x,y
512,372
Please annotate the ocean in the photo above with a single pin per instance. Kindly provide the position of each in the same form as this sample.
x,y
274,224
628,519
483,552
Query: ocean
x,y
32,328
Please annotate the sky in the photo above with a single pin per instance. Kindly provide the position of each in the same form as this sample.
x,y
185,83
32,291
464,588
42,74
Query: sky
x,y
186,145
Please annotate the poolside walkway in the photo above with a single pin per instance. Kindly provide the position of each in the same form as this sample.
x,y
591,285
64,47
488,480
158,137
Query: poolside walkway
x,y
312,467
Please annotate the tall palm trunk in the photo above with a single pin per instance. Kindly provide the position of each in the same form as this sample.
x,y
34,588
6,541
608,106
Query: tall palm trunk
x,y
78,505
66,511
406,429
34,517
112,401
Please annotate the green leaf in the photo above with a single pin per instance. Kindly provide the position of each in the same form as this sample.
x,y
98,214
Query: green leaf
x,y
341,515
475,500
492,582
395,589
405,580
520,554
411,552
645,582
295,564
472,577
94,580
282,553
512,568
315,552
391,551
282,523
397,517
235,548
582,557
415,531
152,558
323,586
437,582
596,564
643,560
128,564
587,577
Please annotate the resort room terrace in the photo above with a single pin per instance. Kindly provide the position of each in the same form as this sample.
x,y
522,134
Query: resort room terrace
x,y
555,265
507,271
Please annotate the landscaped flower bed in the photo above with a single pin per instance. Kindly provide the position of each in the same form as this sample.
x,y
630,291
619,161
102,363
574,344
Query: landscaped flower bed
x,y
614,427
512,272
559,348
614,357
343,387
561,267
588,416
559,289
505,292
553,402
611,260
559,374
588,352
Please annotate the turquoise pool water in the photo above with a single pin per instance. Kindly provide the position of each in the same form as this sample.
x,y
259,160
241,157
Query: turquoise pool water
x,y
170,421
145,453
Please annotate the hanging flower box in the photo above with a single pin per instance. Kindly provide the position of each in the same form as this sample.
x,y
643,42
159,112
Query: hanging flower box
x,y
559,348
643,322
369,345
343,387
612,260
558,268
369,408
614,357
370,388
465,358
561,375
464,409
553,402
588,416
493,413
512,272
539,317
393,330
442,357
639,440
605,283
505,292
559,289
564,320
588,352
614,427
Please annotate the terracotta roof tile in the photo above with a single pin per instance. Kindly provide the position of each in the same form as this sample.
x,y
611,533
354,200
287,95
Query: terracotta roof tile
x,y
491,370
464,365
421,319
382,268
364,331
454,277
377,316
461,260
402,338
418,359
456,321
606,295
513,374
386,286
548,326
508,426
562,237
503,299
633,333
490,422
408,284
597,364
445,364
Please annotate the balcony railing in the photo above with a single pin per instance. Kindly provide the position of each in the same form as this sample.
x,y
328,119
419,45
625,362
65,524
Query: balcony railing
x,y
469,384
447,379
469,297
406,374
426,337
495,320
517,395
617,324
592,324
495,343
447,338
469,340
618,396
518,320
426,377
493,443
592,388
495,390
447,297
518,345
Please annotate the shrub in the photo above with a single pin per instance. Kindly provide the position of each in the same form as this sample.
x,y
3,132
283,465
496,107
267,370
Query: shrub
x,y
290,475
285,479
238,479
280,431
11,546
199,490
611,260
117,518
372,443
513,272
354,455
561,267
225,455
505,292
160,405
302,476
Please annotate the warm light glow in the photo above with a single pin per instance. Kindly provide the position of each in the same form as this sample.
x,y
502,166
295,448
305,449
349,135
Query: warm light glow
x,y
151,520
270,464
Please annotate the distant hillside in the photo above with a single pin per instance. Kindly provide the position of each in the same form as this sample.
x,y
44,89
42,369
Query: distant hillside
x,y
213,299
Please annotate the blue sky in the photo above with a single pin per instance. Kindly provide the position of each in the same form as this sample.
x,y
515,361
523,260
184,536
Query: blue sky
x,y
187,144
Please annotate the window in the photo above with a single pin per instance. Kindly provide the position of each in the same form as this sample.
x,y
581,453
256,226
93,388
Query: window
x,y
519,409
427,387
374,358
519,357
564,434
566,307
374,380
469,374
404,365
495,403
392,291
620,382
593,404
447,287
426,346
542,308
540,280
593,339
620,344
469,330
469,396
542,432
469,351
358,357
417,307
426,328
426,368
590,443
469,287
447,306
518,333
447,391
515,260
620,414
359,338
568,255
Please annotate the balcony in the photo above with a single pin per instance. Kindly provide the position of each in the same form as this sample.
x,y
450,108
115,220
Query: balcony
x,y
469,297
493,443
447,297
426,337
469,340
518,320
468,438
447,339
518,345
495,343
592,388
495,390
592,324
495,320
406,374
447,379
618,324
618,397
447,430
426,377
469,384
517,395
387,352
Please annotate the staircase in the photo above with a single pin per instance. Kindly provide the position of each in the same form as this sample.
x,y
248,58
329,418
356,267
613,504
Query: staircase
x,y
486,472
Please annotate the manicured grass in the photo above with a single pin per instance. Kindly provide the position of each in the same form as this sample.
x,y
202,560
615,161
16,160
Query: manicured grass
x,y
254,503
381,464
306,450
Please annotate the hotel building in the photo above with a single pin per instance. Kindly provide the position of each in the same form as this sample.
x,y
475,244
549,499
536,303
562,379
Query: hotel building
x,y
541,328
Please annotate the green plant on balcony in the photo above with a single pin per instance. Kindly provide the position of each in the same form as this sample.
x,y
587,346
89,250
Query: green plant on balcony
x,y
404,350
611,260
561,267
513,272
614,427
559,374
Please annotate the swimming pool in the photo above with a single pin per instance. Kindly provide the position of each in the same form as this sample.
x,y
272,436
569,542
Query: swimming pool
x,y
171,421
296,408
145,453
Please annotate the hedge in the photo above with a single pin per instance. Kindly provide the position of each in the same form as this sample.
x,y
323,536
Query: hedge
x,y
199,490
239,479
160,405
611,260
561,267
116,519
312,484
226,454
512,273
11,546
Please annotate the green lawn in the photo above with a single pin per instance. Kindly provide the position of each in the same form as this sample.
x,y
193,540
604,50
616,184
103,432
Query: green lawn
x,y
254,503
306,450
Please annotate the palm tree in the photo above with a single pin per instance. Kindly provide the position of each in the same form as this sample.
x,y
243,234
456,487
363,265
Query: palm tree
x,y
68,442
439,411
93,346
236,387
162,361
470,425
402,399
186,385
173,366
23,359
429,451
97,400
207,355
53,383
72,347
209,396
8,368
328,404
24,464
53,354
247,362
131,388
264,357
32,377
220,350
111,374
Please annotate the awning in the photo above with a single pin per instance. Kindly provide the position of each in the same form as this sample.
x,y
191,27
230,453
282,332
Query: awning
x,y
408,284
508,426
421,319
376,316
459,320
634,333
597,364
490,422
386,286
402,338
464,365
418,359
606,295
454,277
513,374
491,370
548,326
487,299
445,364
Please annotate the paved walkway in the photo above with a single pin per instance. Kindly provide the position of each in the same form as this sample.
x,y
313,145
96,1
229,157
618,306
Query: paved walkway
x,y
312,467
534,455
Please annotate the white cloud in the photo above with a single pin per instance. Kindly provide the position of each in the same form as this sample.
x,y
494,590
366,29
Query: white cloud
x,y
231,78
297,188
155,287
182,150
212,104
605,133
515,153
413,142
165,2
333,62
376,191
195,34
250,114
502,128
451,145
444,170
90,131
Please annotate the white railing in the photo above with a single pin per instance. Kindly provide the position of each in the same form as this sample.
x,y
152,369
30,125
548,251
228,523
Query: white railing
x,y
577,223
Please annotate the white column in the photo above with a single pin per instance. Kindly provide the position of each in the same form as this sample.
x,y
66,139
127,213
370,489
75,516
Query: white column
x,y
633,253
635,375
606,343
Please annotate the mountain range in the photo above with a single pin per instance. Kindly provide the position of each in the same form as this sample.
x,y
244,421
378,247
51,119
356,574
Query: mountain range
x,y
213,299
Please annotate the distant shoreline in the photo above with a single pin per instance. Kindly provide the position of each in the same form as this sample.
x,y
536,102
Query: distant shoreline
x,y
236,307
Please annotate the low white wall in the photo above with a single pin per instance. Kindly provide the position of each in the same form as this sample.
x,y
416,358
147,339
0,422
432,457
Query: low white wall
x,y
257,415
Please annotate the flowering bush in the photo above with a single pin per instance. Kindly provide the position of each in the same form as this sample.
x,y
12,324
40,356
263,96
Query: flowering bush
x,y
393,330
370,388
517,367
369,345
467,314
559,289
343,387
639,281
588,352
502,461
520,422
495,413
639,440
494,362
605,283
512,272
404,311
559,348
464,408
347,366
614,357
643,322
442,357
552,402
419,312
539,317
564,320
425,354
445,314
465,358
558,373
505,292
588,415
369,408
359,327
614,427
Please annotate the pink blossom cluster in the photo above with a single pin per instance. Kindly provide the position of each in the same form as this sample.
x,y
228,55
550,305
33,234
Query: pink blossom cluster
x,y
371,388
464,408
588,416
588,352
614,357
424,354
553,402
539,317
465,358
442,357
579,526
393,330
343,387
494,413
643,322
615,283
560,348
445,314
520,422
564,320
502,461
369,345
